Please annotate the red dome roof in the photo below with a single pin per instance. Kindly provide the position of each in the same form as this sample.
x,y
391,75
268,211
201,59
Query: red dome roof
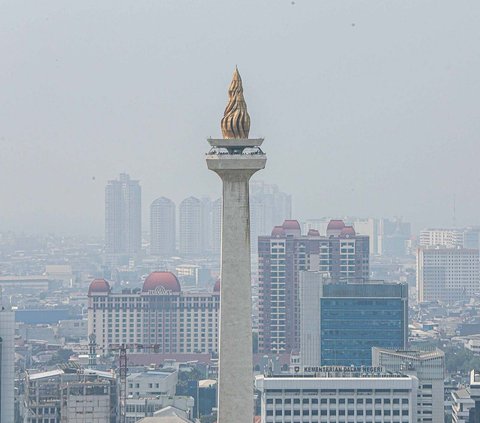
x,y
335,224
216,287
166,280
291,224
313,232
278,231
347,232
99,285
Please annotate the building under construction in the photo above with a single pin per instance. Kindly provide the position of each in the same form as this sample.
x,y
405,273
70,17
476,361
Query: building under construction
x,y
71,396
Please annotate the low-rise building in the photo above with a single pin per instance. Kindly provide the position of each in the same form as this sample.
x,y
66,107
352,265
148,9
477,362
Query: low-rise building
x,y
333,396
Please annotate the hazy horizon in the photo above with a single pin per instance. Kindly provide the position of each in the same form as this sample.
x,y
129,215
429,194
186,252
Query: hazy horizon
x,y
368,108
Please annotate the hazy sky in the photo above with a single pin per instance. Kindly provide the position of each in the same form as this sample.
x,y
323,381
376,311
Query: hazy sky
x,y
368,107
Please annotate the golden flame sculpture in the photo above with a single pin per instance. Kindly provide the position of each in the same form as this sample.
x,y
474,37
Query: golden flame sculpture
x,y
236,121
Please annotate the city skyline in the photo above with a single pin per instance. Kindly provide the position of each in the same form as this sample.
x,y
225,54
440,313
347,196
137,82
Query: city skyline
x,y
362,103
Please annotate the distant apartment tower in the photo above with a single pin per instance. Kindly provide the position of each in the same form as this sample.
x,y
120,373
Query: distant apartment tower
x,y
162,227
428,367
123,218
190,227
7,365
450,238
447,274
268,207
341,322
286,252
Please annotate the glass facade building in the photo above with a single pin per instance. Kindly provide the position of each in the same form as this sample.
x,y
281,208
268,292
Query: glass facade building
x,y
356,317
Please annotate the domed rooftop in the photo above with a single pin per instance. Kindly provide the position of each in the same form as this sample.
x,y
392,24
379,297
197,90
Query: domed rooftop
x,y
216,287
313,232
165,280
291,224
347,232
99,286
335,225
278,231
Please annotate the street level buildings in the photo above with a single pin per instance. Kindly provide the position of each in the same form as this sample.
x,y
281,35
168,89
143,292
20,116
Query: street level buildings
x,y
71,395
332,397
123,219
162,227
159,314
286,252
341,322
428,367
447,274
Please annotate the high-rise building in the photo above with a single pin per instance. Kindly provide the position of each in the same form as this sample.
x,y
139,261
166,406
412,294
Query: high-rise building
x,y
159,314
7,365
162,227
286,252
393,236
268,207
428,367
447,274
331,396
190,227
341,322
123,219
450,238
235,158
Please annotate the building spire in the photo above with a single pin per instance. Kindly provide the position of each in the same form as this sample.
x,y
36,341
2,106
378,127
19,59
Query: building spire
x,y
236,121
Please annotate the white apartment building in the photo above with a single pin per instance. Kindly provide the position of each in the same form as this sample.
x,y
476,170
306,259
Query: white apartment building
x,y
331,397
158,315
190,227
428,367
447,274
151,384
162,227
450,238
7,360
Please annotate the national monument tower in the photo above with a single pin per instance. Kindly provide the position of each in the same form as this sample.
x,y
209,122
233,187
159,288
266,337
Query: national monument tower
x,y
235,158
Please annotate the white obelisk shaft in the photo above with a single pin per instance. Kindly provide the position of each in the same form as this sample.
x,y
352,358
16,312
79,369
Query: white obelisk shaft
x,y
235,386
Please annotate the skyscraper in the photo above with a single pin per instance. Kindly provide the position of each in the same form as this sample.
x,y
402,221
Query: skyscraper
x,y
450,238
447,274
190,227
162,227
123,218
268,207
282,255
7,364
235,158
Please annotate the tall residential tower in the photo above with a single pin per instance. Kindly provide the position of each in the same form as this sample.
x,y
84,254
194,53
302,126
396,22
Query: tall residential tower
x,y
123,219
162,227
235,158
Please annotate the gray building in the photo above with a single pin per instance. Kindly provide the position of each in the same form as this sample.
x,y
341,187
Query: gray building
x,y
162,227
190,227
428,367
123,219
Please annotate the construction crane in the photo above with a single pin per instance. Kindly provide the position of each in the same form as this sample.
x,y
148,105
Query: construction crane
x,y
123,367
122,364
